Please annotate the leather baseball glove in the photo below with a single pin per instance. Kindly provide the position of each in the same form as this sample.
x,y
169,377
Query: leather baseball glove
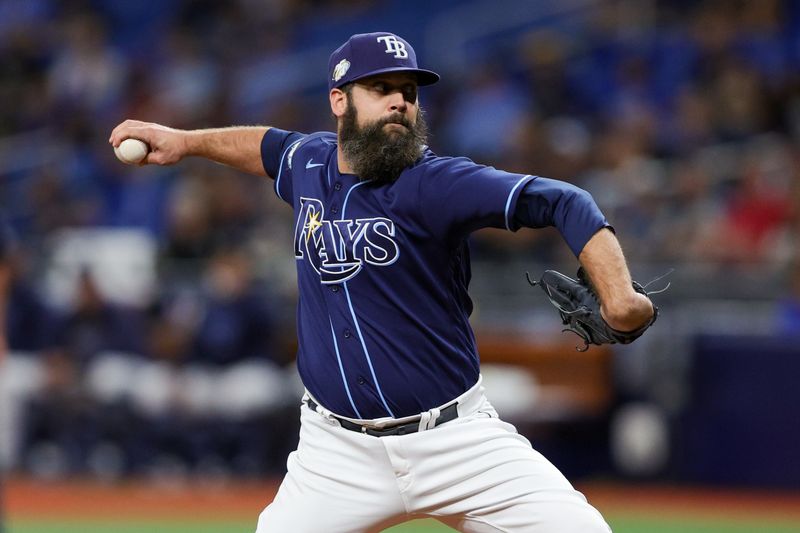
x,y
579,307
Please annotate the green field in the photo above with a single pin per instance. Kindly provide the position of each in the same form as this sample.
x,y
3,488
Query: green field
x,y
620,524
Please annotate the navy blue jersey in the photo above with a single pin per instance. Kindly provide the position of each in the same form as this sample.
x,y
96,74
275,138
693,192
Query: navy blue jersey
x,y
383,269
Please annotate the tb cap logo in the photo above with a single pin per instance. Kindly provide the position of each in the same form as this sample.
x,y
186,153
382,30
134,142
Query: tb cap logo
x,y
394,46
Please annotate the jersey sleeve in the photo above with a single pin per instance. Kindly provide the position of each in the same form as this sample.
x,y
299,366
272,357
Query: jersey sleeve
x,y
548,202
277,148
458,196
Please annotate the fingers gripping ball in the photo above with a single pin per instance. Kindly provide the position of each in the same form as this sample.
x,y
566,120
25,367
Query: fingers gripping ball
x,y
131,151
579,308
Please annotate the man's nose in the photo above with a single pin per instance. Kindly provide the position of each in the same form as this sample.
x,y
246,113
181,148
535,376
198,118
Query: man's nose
x,y
397,102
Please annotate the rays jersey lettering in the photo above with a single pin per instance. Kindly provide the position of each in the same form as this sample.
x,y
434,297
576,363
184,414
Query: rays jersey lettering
x,y
338,249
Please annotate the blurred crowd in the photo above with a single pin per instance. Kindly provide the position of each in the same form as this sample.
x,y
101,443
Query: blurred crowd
x,y
682,118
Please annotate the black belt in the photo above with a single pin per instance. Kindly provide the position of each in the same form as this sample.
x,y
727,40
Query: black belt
x,y
447,414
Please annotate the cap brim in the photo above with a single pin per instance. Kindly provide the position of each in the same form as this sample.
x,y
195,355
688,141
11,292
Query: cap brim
x,y
424,77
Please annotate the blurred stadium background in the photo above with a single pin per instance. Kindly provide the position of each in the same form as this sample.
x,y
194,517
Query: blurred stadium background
x,y
150,315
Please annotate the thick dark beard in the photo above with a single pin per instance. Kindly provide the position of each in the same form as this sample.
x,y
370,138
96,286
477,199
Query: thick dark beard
x,y
377,156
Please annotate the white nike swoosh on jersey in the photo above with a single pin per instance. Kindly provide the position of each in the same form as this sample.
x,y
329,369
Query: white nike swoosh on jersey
x,y
309,164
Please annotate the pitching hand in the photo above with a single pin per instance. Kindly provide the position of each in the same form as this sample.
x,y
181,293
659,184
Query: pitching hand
x,y
167,145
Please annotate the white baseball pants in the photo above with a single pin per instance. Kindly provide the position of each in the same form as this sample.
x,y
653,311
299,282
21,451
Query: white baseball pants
x,y
475,474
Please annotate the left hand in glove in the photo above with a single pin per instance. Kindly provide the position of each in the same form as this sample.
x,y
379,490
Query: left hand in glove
x,y
579,308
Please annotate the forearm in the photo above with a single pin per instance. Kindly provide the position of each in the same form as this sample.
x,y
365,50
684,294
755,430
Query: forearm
x,y
237,147
621,306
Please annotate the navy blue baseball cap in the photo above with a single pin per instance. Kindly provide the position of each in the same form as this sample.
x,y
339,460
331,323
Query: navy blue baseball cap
x,y
366,54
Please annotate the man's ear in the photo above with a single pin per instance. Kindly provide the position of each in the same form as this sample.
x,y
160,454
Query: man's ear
x,y
338,102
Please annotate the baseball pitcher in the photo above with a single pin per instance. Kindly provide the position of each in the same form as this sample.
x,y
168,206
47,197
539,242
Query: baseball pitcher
x,y
395,423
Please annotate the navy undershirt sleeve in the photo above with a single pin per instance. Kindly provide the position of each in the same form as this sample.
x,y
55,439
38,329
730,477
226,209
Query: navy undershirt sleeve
x,y
273,145
548,202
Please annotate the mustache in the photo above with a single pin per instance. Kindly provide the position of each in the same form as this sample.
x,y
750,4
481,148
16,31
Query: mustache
x,y
396,118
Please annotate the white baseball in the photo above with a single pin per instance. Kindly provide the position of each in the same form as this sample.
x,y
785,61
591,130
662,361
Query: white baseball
x,y
131,151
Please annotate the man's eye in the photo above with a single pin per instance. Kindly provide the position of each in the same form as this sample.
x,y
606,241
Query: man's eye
x,y
380,87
